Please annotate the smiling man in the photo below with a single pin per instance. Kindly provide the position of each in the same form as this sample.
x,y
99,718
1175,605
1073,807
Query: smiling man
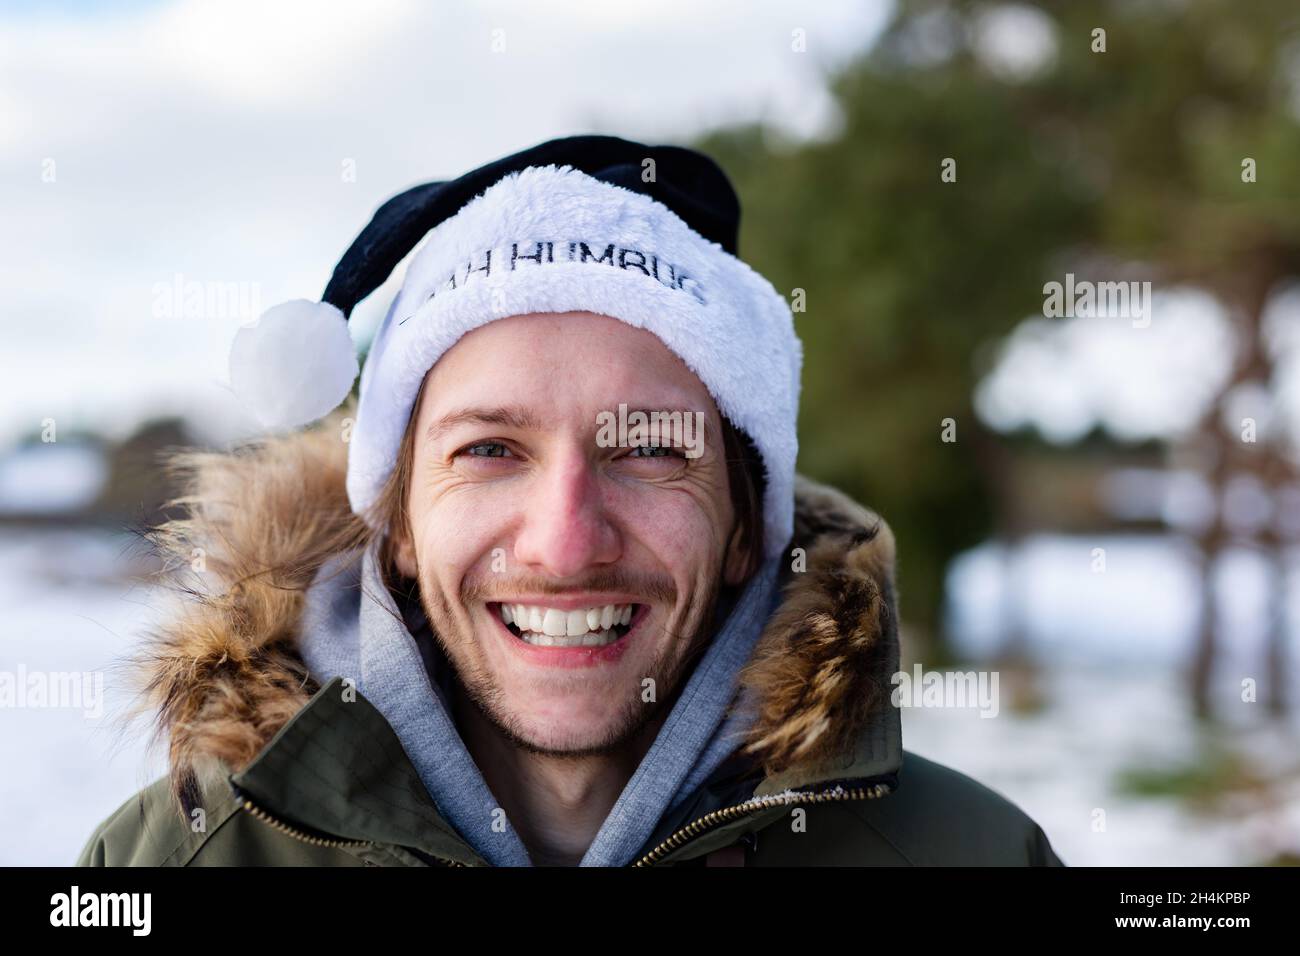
x,y
619,551
466,622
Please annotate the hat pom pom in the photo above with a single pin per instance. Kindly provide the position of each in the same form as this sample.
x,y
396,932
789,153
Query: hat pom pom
x,y
295,364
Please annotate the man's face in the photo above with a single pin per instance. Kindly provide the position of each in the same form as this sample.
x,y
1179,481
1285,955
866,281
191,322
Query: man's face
x,y
514,502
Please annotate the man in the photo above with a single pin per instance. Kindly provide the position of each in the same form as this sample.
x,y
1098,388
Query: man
x,y
556,595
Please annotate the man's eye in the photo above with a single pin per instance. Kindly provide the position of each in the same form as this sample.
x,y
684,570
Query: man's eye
x,y
654,451
495,450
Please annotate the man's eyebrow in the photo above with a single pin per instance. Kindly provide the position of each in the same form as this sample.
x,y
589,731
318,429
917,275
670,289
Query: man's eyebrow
x,y
509,416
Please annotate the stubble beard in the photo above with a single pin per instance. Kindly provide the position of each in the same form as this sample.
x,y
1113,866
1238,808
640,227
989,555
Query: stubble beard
x,y
480,688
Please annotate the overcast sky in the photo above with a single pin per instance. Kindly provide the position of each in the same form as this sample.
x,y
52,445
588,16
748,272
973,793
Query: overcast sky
x,y
241,145
144,146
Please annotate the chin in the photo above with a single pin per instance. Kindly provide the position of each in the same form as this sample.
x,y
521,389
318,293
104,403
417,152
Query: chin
x,y
572,720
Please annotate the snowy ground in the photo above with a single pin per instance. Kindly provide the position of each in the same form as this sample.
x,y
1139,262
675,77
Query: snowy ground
x,y
65,771
1062,766
70,606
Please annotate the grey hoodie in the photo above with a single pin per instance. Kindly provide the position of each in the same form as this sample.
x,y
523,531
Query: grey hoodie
x,y
353,628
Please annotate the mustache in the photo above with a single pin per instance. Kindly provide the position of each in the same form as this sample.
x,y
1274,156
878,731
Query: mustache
x,y
652,587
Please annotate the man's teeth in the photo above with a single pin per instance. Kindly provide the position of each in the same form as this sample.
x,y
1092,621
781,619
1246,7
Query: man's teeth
x,y
552,627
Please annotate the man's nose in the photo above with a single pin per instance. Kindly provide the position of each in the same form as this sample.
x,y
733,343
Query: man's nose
x,y
566,529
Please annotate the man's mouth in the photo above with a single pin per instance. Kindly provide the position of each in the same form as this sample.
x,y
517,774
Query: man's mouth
x,y
543,626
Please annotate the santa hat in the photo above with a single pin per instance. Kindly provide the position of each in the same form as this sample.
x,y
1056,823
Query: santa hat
x,y
643,234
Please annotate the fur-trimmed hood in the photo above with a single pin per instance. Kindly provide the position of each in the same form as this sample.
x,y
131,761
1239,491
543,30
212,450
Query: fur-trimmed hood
x,y
224,674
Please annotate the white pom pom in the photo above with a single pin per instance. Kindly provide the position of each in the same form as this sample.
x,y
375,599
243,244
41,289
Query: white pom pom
x,y
295,365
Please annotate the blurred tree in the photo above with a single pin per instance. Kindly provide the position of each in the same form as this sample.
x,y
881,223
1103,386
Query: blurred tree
x,y
1116,154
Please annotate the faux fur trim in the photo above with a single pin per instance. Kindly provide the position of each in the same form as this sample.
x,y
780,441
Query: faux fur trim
x,y
225,674
816,669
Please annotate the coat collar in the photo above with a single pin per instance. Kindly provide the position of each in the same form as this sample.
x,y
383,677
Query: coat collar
x,y
230,689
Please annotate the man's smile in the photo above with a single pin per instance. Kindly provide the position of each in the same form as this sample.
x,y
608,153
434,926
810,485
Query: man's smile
x,y
573,636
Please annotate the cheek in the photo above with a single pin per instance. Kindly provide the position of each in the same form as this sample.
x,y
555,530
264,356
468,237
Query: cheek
x,y
679,526
456,533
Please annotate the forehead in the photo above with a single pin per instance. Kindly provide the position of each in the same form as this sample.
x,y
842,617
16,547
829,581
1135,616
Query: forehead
x,y
565,365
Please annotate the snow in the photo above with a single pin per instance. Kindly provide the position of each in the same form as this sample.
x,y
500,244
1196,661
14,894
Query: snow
x,y
65,771
1061,768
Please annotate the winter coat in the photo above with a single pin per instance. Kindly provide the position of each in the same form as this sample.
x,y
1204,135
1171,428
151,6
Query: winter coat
x,y
268,768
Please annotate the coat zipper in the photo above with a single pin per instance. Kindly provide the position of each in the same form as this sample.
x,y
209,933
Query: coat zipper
x,y
676,841
728,814
278,824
